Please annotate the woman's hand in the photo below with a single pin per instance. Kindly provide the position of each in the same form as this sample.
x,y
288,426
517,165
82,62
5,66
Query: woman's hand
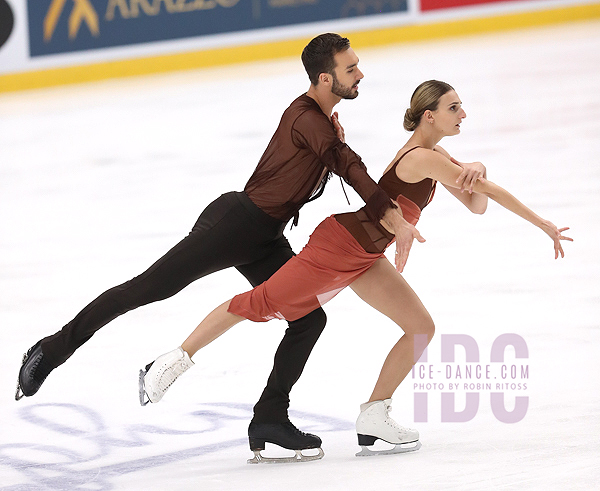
x,y
469,175
556,235
338,127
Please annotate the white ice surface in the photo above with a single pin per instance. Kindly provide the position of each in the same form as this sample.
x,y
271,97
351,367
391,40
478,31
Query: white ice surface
x,y
98,181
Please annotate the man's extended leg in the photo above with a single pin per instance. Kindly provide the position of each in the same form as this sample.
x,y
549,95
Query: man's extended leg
x,y
207,248
226,234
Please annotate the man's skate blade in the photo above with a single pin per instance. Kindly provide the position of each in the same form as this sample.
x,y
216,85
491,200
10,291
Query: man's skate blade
x,y
299,457
400,448
144,399
19,393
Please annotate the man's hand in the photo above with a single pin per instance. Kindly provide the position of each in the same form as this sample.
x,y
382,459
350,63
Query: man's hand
x,y
470,174
404,240
338,127
405,235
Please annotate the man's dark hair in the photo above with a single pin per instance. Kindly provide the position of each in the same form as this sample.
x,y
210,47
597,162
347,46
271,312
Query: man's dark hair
x,y
317,56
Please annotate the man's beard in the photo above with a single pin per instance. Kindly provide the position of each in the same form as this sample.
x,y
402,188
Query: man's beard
x,y
341,90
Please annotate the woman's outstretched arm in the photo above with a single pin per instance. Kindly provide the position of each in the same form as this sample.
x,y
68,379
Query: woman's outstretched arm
x,y
508,201
428,163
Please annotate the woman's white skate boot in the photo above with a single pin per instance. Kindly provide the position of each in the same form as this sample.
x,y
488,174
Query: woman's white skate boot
x,y
374,423
161,373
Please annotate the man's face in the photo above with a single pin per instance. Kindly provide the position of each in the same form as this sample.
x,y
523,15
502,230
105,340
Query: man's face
x,y
346,75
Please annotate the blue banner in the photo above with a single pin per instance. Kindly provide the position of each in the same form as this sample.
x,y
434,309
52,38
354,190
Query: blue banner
x,y
61,26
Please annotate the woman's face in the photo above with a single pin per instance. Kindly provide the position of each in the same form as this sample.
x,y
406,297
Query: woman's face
x,y
449,114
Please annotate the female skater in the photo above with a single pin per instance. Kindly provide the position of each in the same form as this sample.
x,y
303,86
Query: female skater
x,y
347,249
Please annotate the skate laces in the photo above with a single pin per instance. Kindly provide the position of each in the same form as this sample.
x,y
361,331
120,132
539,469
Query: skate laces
x,y
294,429
171,374
391,421
40,369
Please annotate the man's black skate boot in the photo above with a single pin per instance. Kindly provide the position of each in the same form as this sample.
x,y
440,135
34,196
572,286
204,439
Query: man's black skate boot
x,y
285,435
33,372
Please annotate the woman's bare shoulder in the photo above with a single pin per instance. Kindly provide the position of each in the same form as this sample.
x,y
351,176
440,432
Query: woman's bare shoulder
x,y
408,168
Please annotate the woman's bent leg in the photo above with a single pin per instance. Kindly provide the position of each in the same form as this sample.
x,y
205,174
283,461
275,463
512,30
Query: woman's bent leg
x,y
387,291
214,324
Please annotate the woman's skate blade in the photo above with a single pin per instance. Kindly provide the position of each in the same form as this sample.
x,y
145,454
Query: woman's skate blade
x,y
299,457
144,399
398,448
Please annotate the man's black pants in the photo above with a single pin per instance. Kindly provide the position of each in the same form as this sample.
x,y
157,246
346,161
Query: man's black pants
x,y
231,231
